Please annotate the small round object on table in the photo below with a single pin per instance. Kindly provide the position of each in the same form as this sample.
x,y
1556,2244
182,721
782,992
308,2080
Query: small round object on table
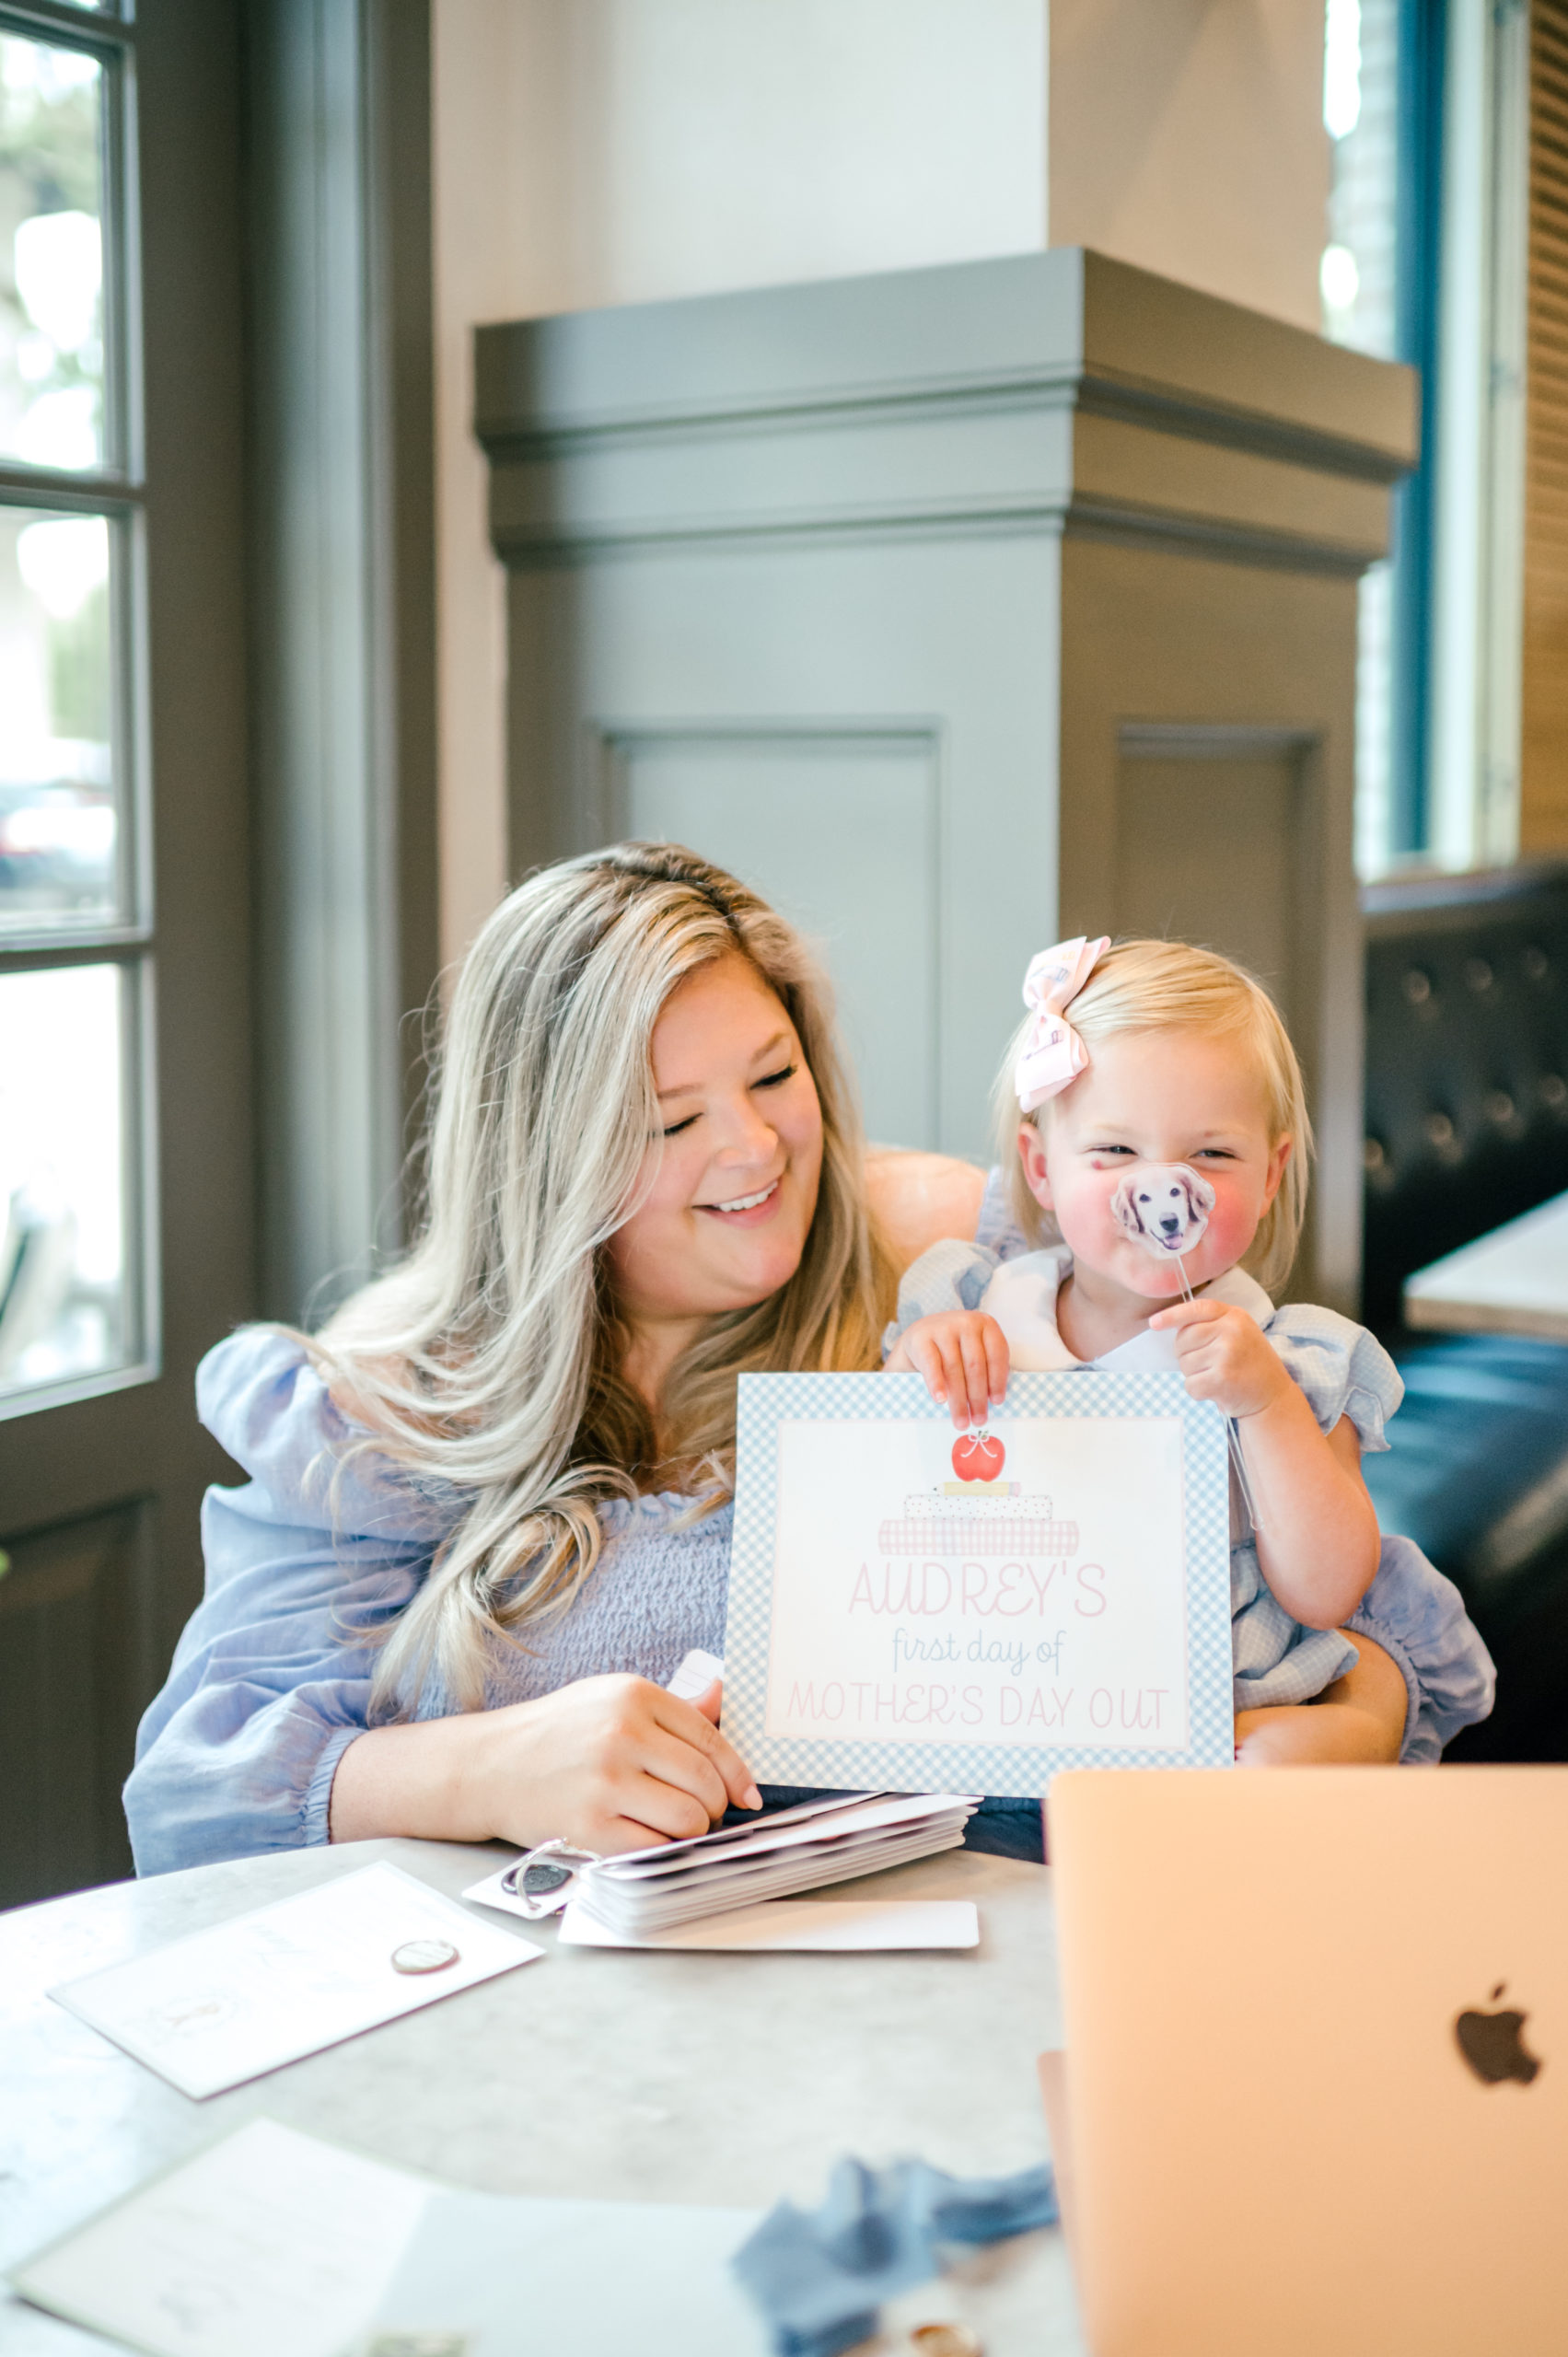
x,y
946,2340
539,1881
423,1956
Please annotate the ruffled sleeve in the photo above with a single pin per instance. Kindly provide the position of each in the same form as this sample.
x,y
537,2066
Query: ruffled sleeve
x,y
1419,1618
1340,1368
949,1275
270,1680
997,1229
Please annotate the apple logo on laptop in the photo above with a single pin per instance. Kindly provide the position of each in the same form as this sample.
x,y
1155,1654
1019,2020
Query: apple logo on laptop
x,y
1492,2045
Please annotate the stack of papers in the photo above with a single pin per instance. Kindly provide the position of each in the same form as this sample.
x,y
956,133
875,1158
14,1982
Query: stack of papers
x,y
830,1839
799,1927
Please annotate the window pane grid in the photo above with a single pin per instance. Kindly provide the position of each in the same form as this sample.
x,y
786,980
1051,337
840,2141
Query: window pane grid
x,y
67,1298
53,103
78,1225
36,956
98,24
67,818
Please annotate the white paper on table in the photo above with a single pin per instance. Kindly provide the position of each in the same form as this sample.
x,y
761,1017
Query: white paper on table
x,y
268,2242
247,1996
516,2277
799,1924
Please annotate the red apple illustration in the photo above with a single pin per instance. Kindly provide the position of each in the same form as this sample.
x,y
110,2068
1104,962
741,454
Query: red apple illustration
x,y
1492,2046
979,1456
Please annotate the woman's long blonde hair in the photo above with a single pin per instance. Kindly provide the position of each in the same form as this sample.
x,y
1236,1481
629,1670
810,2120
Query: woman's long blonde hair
x,y
1168,986
490,1359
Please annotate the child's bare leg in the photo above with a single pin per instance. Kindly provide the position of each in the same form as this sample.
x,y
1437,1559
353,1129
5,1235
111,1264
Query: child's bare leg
x,y
1360,1718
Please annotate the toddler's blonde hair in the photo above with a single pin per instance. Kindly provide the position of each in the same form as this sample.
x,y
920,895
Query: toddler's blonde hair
x,y
1169,986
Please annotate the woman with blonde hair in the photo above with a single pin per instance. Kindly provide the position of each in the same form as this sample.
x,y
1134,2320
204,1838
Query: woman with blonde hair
x,y
488,1510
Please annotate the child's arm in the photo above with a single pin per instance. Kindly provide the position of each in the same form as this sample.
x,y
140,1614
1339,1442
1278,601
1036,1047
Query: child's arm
x,y
1360,1718
963,1356
1317,1528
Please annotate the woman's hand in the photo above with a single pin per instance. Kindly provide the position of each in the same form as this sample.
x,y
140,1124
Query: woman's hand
x,y
1359,1720
607,1763
963,1356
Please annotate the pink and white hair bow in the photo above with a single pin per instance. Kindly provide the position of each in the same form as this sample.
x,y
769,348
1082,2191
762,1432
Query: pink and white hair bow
x,y
1052,1054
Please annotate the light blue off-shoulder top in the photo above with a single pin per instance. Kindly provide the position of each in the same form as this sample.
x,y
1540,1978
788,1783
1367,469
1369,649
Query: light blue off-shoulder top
x,y
270,1680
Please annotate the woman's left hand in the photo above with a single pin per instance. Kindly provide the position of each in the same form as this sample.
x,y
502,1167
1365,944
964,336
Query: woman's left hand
x,y
1224,1356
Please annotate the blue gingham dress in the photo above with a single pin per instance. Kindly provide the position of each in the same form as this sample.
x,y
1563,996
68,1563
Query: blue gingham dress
x,y
1410,1609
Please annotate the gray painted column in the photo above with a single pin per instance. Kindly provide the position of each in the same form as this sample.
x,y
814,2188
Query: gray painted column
x,y
342,643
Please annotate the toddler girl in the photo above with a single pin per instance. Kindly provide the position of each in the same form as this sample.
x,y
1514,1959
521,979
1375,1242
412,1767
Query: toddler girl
x,y
1175,1056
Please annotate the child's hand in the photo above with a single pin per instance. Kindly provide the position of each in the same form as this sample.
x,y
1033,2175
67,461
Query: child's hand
x,y
963,1356
1224,1356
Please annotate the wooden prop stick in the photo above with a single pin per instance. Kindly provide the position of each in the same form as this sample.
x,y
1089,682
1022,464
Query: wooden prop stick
x,y
1165,1208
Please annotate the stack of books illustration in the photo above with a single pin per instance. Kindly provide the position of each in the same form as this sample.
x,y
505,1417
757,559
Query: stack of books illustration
x,y
978,1518
979,1513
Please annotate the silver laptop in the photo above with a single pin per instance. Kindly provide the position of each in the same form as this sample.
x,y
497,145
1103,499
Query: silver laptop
x,y
1314,2101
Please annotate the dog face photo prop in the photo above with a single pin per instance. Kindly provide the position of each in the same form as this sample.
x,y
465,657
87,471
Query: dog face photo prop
x,y
1165,1208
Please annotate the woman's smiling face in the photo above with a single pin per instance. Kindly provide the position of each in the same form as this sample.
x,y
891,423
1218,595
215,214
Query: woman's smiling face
x,y
1156,1097
734,1176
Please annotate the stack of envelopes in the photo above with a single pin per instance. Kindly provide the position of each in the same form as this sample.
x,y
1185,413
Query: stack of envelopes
x,y
828,1839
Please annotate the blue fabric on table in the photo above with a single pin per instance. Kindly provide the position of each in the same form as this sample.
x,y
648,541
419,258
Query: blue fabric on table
x,y
818,2276
1007,1829
1001,1828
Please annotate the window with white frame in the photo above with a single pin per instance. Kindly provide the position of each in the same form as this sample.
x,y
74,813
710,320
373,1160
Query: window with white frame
x,y
74,920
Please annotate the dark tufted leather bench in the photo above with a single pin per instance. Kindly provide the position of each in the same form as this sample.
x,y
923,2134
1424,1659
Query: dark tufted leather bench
x,y
1466,1125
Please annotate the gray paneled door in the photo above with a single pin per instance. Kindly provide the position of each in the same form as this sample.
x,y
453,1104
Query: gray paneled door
x,y
861,737
126,1233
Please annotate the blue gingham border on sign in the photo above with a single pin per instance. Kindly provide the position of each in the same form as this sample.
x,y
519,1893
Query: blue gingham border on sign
x,y
767,1399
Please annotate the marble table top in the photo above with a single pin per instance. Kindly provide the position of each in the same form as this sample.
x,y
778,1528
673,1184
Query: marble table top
x,y
722,2079
1512,1281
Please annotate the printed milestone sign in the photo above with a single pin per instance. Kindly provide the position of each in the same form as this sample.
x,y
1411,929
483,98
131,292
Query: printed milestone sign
x,y
922,1611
